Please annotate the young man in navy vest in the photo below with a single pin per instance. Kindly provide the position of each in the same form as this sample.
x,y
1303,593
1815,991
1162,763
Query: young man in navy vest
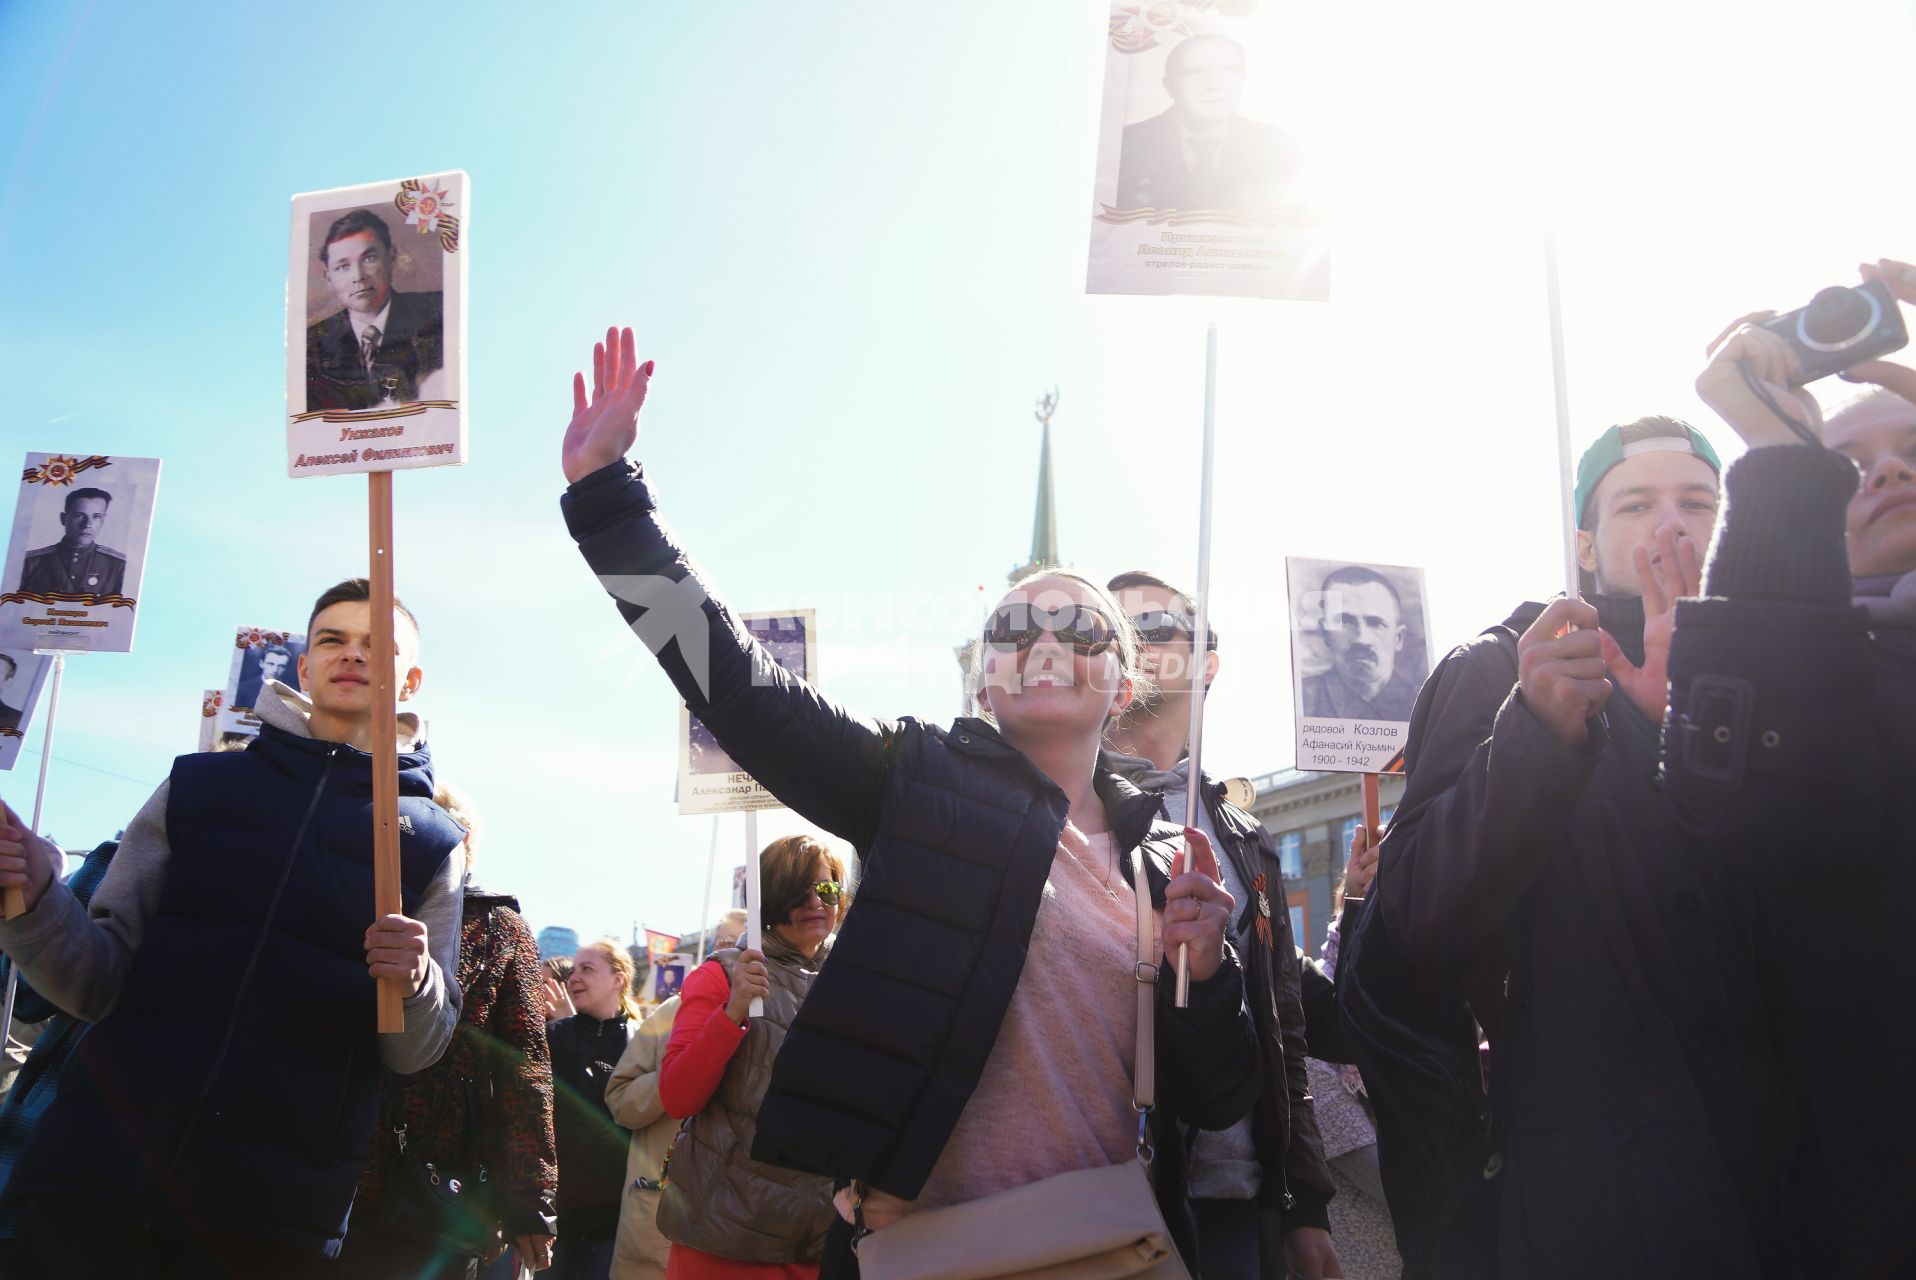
x,y
216,1119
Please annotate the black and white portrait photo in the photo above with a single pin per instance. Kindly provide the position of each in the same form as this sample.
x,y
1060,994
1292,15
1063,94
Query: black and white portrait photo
x,y
259,657
81,563
22,673
78,552
1212,123
1359,653
1201,151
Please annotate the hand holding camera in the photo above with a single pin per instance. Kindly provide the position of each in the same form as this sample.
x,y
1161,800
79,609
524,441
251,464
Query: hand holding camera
x,y
1759,365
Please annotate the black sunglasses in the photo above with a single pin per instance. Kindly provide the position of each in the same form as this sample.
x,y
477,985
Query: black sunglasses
x,y
1157,626
1018,626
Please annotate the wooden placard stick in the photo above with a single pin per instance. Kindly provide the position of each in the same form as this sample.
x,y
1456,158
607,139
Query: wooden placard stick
x,y
1200,639
385,732
1371,808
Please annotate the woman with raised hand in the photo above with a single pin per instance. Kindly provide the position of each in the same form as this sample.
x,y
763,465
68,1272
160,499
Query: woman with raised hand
x,y
974,1031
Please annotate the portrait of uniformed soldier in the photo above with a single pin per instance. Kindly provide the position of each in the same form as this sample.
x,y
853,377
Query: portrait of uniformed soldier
x,y
381,344
77,565
1199,153
9,713
1363,629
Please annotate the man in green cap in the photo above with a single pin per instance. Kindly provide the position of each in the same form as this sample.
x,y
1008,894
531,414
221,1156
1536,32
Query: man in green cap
x,y
1535,872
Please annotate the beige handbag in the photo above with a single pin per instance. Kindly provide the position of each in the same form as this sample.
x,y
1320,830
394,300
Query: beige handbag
x,y
1090,1224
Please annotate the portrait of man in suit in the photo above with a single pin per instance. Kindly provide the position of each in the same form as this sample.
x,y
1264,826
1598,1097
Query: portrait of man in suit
x,y
77,565
381,344
1200,153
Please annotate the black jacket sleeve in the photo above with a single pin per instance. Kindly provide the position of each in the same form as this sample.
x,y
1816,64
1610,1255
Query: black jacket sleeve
x,y
824,762
1775,711
1321,1028
1207,1052
1488,788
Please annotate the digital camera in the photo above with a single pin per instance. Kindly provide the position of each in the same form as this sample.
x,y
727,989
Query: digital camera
x,y
1843,325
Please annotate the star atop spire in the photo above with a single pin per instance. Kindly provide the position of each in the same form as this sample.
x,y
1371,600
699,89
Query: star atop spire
x,y
1044,519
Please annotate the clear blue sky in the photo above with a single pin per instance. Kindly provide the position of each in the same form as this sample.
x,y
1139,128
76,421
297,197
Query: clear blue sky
x,y
852,235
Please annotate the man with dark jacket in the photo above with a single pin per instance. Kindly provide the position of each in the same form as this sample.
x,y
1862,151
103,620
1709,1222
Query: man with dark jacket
x,y
1790,745
1535,871
215,1119
1269,1167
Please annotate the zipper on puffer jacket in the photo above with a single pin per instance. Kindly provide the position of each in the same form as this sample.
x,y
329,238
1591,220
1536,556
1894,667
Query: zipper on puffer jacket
x,y
239,998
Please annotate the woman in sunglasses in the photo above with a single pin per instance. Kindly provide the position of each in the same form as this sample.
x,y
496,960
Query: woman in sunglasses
x,y
974,1032
727,1215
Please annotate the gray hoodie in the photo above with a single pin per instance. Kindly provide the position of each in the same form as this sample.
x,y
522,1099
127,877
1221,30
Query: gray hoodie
x,y
78,957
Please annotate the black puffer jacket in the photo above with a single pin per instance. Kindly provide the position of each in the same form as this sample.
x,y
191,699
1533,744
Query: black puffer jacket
x,y
956,831
1790,745
1639,1126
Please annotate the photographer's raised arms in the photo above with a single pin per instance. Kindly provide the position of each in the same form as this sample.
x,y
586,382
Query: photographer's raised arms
x,y
1789,749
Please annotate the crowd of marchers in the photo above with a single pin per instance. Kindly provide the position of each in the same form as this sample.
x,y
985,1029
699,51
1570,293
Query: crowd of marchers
x,y
1619,990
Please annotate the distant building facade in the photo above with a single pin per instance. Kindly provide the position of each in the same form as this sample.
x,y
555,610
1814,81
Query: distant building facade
x,y
556,940
1311,817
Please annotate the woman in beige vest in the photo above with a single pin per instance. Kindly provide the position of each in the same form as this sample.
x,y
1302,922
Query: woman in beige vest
x,y
728,1216
633,1096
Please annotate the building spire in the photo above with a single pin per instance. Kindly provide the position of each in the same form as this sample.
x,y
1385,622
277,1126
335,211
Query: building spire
x,y
1044,519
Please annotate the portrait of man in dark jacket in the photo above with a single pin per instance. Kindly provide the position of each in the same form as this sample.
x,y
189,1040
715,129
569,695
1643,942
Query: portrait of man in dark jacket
x,y
1199,153
1362,626
381,344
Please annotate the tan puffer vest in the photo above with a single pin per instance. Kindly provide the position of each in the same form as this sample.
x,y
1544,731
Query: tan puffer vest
x,y
719,1200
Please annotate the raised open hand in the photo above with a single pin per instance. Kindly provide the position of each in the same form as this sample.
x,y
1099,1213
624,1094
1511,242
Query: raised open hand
x,y
1669,571
603,427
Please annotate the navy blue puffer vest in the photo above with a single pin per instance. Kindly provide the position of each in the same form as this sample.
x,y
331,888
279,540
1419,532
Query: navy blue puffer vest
x,y
233,1089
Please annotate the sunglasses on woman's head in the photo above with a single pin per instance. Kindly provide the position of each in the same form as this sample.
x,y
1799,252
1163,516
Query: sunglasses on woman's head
x,y
1082,628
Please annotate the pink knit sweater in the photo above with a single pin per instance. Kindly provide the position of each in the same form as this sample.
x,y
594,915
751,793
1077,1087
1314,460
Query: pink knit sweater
x,y
1056,1091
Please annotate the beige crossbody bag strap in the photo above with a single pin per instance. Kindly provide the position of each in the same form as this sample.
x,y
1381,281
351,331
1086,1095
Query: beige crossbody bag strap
x,y
1144,1076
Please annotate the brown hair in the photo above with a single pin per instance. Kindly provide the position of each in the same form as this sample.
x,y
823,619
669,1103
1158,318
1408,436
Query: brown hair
x,y
785,875
354,591
621,961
